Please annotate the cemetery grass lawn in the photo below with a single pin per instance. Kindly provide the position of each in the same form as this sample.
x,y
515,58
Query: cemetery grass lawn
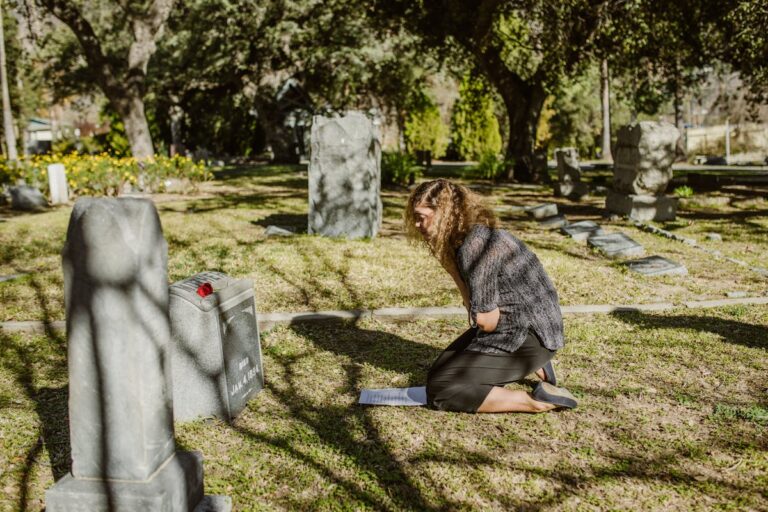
x,y
221,227
673,415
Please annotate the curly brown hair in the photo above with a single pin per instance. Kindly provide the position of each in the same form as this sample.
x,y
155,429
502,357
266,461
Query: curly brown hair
x,y
456,208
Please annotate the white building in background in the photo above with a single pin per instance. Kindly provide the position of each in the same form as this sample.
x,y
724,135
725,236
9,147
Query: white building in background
x,y
38,136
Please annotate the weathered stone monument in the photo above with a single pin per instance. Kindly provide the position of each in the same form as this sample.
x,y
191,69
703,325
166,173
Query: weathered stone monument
x,y
217,364
26,198
57,184
642,169
569,182
124,455
542,211
345,177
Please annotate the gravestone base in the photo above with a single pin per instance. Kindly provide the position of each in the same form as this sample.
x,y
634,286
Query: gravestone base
x,y
176,487
643,208
574,190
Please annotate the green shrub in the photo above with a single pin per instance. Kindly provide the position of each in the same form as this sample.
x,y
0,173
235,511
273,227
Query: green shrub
x,y
491,166
424,128
398,168
474,127
684,191
104,175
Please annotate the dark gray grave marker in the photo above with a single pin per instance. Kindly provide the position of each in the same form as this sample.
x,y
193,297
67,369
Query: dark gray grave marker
x,y
656,266
616,245
542,211
558,221
217,365
582,230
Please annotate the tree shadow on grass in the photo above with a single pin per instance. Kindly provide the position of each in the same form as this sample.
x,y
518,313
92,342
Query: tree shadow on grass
x,y
335,425
731,331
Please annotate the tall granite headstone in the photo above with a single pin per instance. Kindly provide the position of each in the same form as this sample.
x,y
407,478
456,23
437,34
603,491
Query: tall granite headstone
x,y
57,184
345,177
569,182
124,456
642,169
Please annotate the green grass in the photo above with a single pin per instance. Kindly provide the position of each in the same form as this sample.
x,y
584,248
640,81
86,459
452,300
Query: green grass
x,y
222,228
671,416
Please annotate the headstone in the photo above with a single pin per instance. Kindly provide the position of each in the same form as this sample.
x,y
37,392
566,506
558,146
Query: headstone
x,y
26,198
124,456
542,211
217,364
656,266
345,177
558,221
569,182
581,230
616,245
714,237
278,231
643,158
642,169
57,184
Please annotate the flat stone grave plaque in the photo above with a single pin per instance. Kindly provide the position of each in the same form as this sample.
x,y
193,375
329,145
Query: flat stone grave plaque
x,y
656,266
558,221
542,211
217,364
616,245
582,230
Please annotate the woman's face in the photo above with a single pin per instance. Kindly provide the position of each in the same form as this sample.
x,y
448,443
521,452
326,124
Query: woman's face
x,y
424,216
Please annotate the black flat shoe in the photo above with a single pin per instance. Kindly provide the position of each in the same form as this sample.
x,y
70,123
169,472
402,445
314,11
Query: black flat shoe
x,y
549,373
561,397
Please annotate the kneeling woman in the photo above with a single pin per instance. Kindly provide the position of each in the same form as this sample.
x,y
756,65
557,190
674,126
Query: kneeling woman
x,y
513,307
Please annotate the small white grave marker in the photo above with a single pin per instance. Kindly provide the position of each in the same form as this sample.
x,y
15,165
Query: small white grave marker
x,y
57,184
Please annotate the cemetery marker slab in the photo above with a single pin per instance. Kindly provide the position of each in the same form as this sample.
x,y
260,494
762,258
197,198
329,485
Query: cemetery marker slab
x,y
656,266
542,211
582,230
558,221
616,245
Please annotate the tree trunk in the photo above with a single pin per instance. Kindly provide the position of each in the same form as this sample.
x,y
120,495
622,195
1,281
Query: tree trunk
x,y
605,103
523,101
523,109
130,107
10,135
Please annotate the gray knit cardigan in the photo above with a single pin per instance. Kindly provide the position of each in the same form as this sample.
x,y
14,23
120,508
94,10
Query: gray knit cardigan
x,y
500,271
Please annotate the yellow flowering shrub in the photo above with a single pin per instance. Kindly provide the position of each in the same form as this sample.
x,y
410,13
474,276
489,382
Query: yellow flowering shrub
x,y
105,175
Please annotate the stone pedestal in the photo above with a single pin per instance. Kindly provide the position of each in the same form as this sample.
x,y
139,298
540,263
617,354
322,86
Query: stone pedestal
x,y
217,365
120,403
642,207
57,184
345,177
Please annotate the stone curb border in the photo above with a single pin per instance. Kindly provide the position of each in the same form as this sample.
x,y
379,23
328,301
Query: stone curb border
x,y
269,320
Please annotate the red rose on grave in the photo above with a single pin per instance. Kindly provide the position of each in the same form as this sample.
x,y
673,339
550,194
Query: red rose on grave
x,y
205,289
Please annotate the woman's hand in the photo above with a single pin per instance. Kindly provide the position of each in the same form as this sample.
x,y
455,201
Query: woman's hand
x,y
487,322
